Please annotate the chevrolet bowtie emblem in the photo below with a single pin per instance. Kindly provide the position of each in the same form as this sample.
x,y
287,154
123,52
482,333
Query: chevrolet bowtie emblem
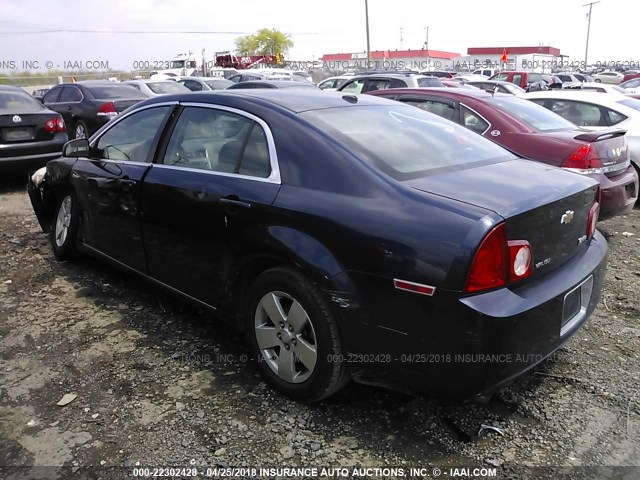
x,y
567,217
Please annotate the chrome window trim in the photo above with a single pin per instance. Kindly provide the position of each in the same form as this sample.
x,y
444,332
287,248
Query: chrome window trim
x,y
274,177
476,113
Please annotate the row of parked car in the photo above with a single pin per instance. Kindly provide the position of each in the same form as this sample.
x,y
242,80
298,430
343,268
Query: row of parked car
x,y
579,129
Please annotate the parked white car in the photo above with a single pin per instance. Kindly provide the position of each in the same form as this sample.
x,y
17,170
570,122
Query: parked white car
x,y
595,111
155,88
597,87
631,87
608,76
486,72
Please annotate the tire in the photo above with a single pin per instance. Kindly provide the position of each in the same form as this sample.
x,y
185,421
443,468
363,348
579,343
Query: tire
x,y
64,227
80,130
597,80
317,370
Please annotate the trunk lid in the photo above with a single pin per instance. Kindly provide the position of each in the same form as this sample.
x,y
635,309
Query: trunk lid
x,y
610,148
551,216
30,127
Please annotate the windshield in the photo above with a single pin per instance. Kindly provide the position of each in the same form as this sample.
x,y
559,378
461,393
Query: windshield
x,y
631,102
115,92
177,63
531,114
421,144
18,102
166,87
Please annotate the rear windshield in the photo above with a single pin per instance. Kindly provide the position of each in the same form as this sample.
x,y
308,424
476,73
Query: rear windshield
x,y
166,87
405,142
109,92
631,102
18,102
531,114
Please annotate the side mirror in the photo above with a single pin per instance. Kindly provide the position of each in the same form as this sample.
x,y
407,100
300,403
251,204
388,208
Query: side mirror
x,y
76,148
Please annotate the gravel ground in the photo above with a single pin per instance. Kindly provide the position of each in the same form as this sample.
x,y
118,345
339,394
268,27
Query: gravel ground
x,y
158,384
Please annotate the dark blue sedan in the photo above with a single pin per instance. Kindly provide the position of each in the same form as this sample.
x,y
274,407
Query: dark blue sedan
x,y
349,237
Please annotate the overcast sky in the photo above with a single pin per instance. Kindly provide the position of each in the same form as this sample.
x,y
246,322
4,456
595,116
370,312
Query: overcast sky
x,y
318,27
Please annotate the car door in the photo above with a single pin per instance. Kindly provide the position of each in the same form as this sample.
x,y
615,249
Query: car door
x,y
69,104
108,184
50,99
206,196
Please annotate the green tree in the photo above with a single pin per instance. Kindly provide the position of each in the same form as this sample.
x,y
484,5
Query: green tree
x,y
266,41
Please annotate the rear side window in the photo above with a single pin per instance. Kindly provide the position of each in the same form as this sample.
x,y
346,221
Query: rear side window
x,y
70,94
383,84
421,143
219,141
473,121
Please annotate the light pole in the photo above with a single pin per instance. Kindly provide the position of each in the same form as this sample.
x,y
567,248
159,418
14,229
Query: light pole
x,y
366,14
586,50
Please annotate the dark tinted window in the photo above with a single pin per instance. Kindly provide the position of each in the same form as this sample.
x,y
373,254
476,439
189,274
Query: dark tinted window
x,y
131,139
52,95
192,85
429,82
104,92
70,94
18,102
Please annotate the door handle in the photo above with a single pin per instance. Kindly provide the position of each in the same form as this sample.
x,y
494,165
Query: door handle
x,y
234,201
69,109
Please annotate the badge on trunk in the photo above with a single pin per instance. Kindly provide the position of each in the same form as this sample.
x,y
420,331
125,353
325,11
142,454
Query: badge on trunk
x,y
567,217
17,119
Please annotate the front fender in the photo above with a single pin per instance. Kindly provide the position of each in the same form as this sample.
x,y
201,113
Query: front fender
x,y
44,195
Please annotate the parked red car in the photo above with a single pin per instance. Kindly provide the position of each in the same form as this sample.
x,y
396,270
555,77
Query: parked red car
x,y
535,133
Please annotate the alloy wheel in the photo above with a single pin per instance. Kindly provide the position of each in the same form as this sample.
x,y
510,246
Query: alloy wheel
x,y
286,337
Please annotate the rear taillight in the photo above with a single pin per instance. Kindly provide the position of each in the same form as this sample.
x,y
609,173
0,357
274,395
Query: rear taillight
x,y
584,160
594,213
108,109
498,262
54,125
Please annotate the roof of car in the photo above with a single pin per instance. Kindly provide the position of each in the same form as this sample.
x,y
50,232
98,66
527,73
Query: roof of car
x,y
458,92
296,99
10,88
592,97
276,83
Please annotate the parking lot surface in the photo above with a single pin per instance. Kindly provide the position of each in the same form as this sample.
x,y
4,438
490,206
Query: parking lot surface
x,y
159,383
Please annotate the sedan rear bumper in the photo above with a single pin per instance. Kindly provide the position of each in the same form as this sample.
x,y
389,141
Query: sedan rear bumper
x,y
619,193
458,347
31,155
